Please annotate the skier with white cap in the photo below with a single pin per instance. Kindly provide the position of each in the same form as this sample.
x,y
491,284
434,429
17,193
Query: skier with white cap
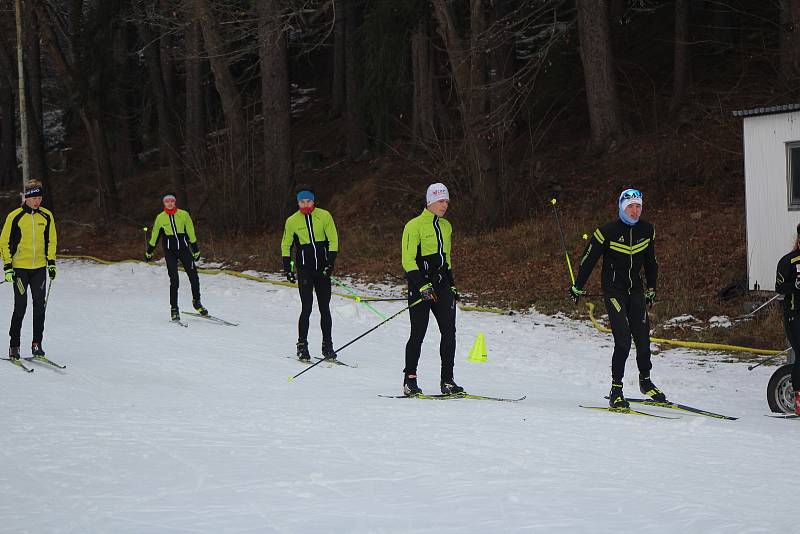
x,y
627,245
426,247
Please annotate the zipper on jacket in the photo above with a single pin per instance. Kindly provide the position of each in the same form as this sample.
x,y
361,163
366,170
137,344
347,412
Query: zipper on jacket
x,y
310,225
33,233
174,230
630,278
439,240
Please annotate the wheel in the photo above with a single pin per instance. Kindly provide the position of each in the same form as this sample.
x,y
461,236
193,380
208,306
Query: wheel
x,y
780,393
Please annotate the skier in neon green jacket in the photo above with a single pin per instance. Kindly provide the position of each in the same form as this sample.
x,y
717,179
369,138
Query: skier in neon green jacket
x,y
28,248
312,232
180,244
427,242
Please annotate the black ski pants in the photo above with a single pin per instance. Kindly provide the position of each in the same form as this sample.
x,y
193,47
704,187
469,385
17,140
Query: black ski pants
x,y
184,255
308,283
791,324
444,310
35,280
628,317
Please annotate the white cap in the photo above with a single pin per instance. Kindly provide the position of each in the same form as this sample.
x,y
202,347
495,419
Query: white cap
x,y
436,192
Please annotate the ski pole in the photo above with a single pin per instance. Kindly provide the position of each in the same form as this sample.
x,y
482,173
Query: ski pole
x,y
357,297
356,339
763,305
378,299
553,201
47,295
751,367
146,243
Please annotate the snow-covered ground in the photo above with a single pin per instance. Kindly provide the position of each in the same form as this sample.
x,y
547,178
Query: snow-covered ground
x,y
157,428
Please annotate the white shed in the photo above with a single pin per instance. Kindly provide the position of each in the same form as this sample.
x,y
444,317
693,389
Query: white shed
x,y
772,188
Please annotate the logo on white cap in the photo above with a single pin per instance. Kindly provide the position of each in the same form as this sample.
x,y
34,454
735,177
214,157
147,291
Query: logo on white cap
x,y
437,192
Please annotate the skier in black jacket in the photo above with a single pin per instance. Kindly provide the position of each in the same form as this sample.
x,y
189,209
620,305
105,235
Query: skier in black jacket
x,y
627,244
787,283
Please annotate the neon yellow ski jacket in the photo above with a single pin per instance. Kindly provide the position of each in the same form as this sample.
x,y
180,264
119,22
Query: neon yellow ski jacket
x,y
316,238
178,231
28,239
427,242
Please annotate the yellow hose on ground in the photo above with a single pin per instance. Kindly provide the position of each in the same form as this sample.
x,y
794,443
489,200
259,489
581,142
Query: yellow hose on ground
x,y
687,344
255,279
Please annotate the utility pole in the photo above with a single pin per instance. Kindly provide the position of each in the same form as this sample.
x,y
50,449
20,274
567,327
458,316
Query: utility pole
x,y
23,106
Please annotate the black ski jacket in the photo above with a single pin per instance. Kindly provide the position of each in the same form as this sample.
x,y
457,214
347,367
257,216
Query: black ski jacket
x,y
625,250
787,282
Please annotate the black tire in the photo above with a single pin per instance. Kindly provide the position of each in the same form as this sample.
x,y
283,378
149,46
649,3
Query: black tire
x,y
780,393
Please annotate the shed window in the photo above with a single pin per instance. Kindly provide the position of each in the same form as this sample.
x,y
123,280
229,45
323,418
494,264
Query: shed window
x,y
793,173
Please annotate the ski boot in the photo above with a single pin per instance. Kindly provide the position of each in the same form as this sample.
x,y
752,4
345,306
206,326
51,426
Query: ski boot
x,y
647,387
616,399
302,351
199,308
449,387
13,353
327,350
410,387
37,350
175,314
797,403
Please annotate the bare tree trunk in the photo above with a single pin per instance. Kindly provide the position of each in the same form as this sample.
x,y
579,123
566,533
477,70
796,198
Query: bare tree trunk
x,y
167,53
339,61
231,105
33,65
107,187
166,130
680,80
423,125
598,69
90,114
121,138
356,136
33,86
790,39
8,138
501,71
195,135
8,132
276,110
467,64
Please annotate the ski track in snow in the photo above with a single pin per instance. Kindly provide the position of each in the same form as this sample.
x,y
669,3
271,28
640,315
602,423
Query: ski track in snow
x,y
155,428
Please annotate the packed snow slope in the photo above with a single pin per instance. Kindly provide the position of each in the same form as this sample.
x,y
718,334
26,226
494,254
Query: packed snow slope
x,y
158,428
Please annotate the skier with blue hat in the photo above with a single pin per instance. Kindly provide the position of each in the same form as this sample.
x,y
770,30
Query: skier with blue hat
x,y
627,245
312,233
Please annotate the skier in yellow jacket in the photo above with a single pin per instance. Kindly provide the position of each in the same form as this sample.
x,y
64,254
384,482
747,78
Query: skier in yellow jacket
x,y
28,248
427,241
180,243
313,233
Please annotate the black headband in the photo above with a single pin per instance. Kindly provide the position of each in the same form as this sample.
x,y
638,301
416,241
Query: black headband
x,y
33,192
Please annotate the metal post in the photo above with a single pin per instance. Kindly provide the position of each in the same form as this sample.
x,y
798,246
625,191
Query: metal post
x,y
23,107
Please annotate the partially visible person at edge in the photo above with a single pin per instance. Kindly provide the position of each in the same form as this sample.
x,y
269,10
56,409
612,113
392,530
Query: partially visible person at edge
x,y
28,246
626,244
426,246
787,283
313,234
180,244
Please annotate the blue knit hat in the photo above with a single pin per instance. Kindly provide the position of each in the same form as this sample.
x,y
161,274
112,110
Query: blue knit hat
x,y
305,194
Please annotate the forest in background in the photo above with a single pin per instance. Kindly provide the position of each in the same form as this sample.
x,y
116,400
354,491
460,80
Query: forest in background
x,y
230,104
